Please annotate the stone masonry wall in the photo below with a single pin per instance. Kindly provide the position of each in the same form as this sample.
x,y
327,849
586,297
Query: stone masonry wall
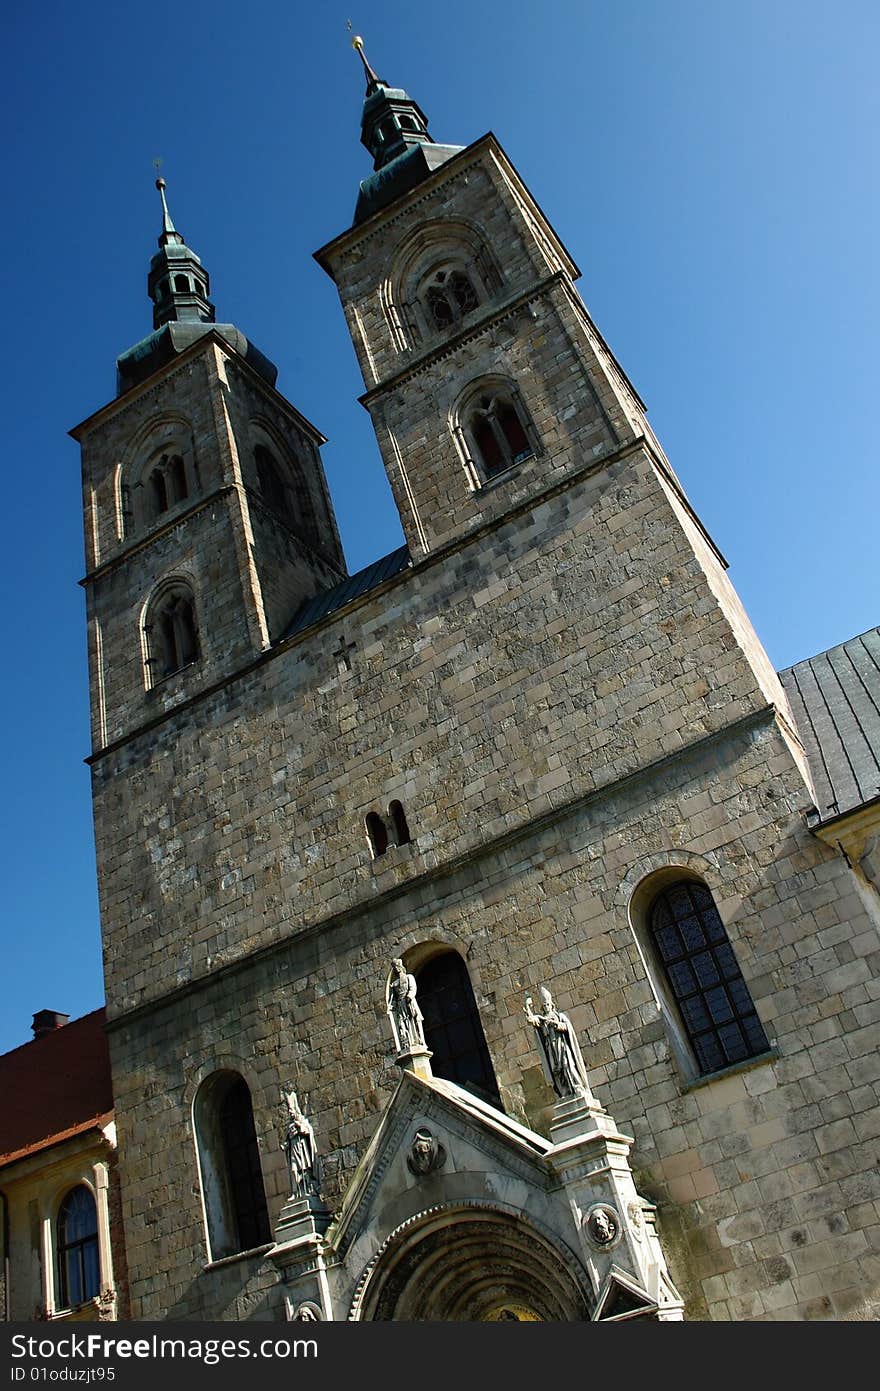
x,y
765,1178
561,651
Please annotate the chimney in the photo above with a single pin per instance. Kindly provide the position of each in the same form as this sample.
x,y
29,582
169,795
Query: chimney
x,y
46,1021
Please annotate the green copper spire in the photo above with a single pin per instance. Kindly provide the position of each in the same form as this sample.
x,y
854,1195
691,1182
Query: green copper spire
x,y
394,129
178,283
392,122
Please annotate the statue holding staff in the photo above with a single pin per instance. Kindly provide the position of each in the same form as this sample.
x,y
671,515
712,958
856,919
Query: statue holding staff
x,y
560,1051
403,1008
301,1151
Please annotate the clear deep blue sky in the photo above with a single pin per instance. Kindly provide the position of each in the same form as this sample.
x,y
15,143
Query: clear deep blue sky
x,y
711,167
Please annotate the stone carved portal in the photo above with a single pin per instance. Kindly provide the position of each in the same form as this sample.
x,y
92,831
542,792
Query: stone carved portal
x,y
470,1265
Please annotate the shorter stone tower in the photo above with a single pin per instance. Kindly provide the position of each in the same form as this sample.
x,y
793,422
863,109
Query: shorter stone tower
x,y
208,520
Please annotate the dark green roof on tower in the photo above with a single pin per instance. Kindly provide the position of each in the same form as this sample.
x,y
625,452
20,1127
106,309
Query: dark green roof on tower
x,y
395,131
178,285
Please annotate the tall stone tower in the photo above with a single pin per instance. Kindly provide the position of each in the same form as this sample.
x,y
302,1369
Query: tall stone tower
x,y
538,746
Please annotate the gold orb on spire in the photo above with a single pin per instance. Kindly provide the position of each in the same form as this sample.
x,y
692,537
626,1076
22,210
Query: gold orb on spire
x,y
357,42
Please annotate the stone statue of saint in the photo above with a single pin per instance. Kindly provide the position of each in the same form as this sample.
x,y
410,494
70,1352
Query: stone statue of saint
x,y
403,1009
560,1050
301,1151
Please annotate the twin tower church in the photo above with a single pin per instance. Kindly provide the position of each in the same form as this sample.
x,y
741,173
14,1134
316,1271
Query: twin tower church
x,y
347,824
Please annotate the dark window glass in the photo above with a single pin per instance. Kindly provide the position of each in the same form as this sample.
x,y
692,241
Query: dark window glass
x,y
79,1275
514,433
463,291
441,309
177,478
173,641
399,822
159,491
488,445
712,996
270,480
376,833
243,1167
181,284
453,1030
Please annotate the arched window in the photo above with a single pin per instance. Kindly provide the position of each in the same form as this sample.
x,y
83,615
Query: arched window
x,y
453,1030
229,1160
79,1272
181,285
166,485
496,426
696,957
176,476
449,295
159,491
172,641
377,833
270,481
397,817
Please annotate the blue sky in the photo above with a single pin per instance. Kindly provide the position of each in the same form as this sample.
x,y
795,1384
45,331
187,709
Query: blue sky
x,y
711,167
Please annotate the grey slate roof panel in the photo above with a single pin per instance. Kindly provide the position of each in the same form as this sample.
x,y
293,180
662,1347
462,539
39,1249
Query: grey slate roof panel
x,y
835,700
329,600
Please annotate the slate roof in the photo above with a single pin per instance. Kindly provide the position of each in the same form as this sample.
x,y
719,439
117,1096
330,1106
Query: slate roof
x,y
835,700
329,600
54,1087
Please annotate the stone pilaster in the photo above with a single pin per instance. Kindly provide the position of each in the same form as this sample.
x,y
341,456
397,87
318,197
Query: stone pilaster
x,y
616,1226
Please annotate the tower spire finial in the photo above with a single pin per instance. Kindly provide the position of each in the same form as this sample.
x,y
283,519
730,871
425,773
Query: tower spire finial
x,y
373,78
178,283
170,233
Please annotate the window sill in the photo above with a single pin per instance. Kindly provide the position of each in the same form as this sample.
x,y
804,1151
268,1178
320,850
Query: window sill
x,y
503,475
163,681
237,1256
732,1071
394,855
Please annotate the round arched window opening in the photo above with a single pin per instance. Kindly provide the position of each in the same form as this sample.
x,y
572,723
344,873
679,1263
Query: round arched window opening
x,y
79,1271
706,983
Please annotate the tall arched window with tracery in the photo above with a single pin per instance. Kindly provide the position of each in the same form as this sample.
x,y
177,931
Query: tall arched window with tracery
x,y
694,952
171,633
453,1028
79,1271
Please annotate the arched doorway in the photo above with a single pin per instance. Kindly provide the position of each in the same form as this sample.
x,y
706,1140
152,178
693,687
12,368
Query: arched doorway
x,y
469,1263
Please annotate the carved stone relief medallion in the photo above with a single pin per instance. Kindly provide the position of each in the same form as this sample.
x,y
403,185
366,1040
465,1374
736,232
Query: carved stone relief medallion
x,y
425,1154
602,1225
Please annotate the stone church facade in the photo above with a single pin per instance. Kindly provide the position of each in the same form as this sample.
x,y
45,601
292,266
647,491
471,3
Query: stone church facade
x,y
540,745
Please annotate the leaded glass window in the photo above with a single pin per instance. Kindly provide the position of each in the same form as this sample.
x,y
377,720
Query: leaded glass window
x,y
79,1273
713,999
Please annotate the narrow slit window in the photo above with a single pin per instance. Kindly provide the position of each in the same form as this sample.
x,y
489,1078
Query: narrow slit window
x,y
377,833
397,817
177,478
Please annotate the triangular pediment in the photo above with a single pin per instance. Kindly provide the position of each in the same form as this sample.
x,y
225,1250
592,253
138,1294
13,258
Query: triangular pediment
x,y
622,1298
482,1155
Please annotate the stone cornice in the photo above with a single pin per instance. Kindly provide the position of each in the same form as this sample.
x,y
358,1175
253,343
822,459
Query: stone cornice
x,y
416,366
161,376
404,576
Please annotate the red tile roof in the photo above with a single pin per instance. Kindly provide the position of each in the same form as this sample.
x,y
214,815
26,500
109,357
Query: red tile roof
x,y
54,1087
